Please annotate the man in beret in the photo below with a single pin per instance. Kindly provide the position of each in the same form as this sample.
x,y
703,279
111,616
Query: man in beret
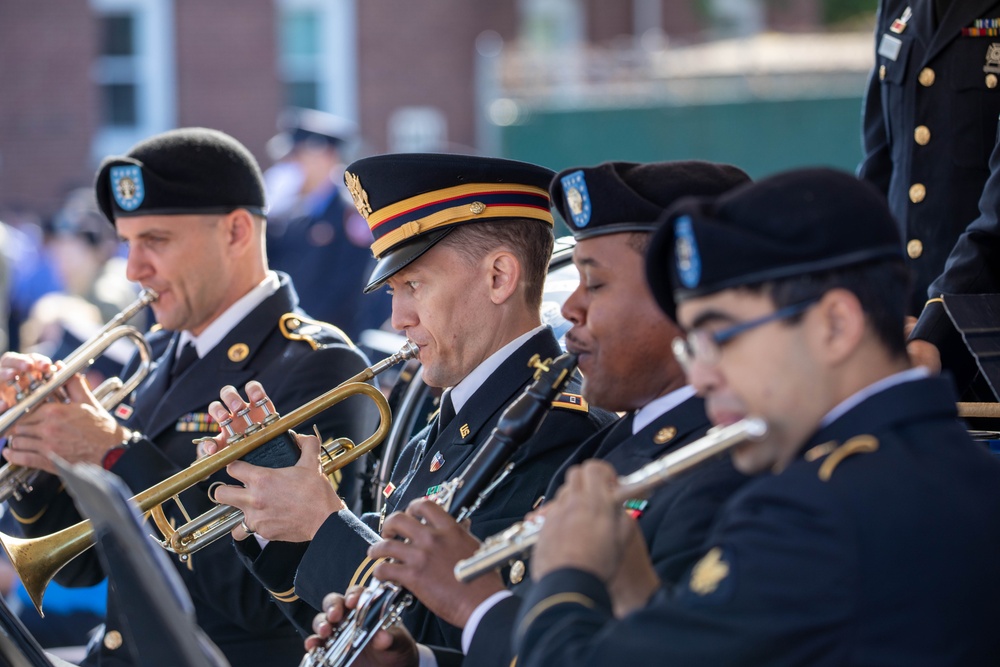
x,y
190,204
463,243
619,333
868,536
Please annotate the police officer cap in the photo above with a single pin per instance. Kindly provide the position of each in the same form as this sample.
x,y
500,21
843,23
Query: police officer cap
x,y
617,197
413,200
796,223
311,128
192,170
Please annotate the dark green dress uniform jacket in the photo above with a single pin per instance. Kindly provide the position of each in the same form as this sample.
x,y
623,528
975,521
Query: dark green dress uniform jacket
x,y
878,546
674,521
232,607
337,557
930,122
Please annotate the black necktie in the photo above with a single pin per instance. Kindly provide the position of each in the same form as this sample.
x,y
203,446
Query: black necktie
x,y
187,357
445,415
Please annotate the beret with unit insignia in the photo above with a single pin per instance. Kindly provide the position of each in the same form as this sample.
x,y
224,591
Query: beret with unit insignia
x,y
192,170
795,223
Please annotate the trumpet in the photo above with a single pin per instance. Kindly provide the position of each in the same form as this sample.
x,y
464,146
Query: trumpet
x,y
382,603
218,522
521,537
37,560
16,480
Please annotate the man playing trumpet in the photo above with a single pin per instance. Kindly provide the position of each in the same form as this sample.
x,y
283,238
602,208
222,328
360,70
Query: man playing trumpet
x,y
190,204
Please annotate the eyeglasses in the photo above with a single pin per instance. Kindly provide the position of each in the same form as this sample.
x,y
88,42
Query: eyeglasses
x,y
706,346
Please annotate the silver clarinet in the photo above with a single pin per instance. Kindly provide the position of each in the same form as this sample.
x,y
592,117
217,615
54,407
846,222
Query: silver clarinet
x,y
521,537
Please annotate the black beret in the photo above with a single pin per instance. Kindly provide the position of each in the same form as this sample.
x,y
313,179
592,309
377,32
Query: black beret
x,y
413,200
617,197
795,223
187,171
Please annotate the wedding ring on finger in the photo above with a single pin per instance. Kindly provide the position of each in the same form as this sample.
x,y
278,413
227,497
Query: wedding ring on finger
x,y
245,527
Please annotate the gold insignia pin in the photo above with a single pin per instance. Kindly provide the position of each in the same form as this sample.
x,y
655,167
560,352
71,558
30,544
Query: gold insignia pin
x,y
517,572
358,194
709,572
477,207
464,431
664,435
238,352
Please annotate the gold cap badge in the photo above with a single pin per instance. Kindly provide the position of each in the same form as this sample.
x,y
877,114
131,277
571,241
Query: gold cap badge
x,y
358,194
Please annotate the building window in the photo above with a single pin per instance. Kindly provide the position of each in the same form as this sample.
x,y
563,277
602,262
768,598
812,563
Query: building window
x,y
133,71
316,55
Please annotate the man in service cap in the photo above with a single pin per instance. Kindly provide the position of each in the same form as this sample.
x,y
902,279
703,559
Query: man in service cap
x,y
620,335
463,243
869,536
190,204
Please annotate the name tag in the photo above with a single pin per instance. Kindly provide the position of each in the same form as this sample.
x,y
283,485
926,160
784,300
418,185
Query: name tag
x,y
889,47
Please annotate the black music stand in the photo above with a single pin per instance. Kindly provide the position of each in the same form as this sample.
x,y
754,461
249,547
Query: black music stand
x,y
977,318
156,612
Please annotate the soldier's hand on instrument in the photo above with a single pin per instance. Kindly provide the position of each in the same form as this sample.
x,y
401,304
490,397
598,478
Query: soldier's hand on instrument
x,y
636,580
17,371
229,407
424,544
389,648
287,504
79,430
585,527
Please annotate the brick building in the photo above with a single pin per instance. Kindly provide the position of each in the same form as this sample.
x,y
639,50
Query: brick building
x,y
82,79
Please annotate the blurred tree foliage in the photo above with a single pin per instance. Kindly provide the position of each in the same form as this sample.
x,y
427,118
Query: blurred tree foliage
x,y
839,11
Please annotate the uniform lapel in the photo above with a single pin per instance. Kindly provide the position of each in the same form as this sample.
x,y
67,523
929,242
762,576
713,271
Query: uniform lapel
x,y
149,396
958,16
667,432
223,364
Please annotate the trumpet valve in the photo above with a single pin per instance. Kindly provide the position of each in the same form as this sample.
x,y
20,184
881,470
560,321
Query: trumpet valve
x,y
231,434
269,417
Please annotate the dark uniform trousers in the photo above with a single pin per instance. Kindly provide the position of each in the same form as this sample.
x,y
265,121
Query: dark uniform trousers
x,y
674,522
877,547
230,604
337,559
930,122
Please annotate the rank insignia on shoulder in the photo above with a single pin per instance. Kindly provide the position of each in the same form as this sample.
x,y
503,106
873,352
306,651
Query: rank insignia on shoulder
x,y
859,444
709,572
568,401
634,508
124,411
197,422
437,461
317,334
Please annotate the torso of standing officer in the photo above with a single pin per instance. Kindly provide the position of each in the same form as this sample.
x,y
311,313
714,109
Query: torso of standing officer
x,y
322,243
930,123
214,289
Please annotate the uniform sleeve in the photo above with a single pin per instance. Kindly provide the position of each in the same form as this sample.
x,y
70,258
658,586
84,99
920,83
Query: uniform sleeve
x,y
741,604
876,166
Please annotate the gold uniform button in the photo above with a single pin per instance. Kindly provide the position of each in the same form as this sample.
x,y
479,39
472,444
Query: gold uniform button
x,y
926,77
991,80
922,135
881,73
914,248
917,193
517,571
112,640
